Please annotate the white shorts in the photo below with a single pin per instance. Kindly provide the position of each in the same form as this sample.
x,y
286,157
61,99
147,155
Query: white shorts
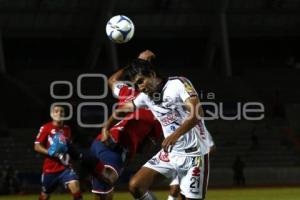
x,y
192,171
175,181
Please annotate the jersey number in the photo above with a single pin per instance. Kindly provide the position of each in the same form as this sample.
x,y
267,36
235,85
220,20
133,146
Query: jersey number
x,y
195,182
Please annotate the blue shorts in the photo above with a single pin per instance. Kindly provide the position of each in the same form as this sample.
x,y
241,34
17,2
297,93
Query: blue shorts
x,y
111,157
50,181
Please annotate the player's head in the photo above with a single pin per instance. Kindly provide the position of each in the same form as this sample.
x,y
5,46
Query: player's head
x,y
57,113
142,74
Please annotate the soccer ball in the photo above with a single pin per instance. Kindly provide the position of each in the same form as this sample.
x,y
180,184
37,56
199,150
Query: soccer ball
x,y
120,29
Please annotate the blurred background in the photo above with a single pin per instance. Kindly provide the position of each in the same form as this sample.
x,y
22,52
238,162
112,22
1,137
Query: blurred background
x,y
234,52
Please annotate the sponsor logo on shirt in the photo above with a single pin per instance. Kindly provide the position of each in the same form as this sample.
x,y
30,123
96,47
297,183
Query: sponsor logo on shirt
x,y
169,118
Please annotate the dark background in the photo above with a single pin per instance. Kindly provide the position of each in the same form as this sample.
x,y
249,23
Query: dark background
x,y
242,51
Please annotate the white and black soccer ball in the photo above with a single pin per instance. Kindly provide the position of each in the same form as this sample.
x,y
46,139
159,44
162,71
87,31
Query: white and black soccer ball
x,y
120,29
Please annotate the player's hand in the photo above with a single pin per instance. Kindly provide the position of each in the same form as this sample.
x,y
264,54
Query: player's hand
x,y
64,158
59,145
105,135
169,142
147,55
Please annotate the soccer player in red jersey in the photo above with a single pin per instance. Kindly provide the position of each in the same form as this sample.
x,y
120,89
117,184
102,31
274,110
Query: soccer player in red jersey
x,y
124,139
56,167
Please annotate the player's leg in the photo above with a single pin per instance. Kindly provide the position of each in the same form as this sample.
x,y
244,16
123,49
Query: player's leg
x,y
108,169
74,188
174,189
49,183
44,196
107,173
143,179
193,184
174,192
71,181
103,185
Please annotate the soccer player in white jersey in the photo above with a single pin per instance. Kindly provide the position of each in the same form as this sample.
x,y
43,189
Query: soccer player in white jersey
x,y
175,103
174,185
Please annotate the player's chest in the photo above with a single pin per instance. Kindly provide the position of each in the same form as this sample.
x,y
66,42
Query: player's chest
x,y
168,106
54,130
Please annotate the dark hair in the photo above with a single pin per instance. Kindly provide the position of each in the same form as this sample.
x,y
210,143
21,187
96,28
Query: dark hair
x,y
139,66
57,105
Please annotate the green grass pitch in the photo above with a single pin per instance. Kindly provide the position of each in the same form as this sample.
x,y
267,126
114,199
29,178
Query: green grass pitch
x,y
213,194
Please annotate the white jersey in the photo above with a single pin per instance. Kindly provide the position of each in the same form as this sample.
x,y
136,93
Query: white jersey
x,y
171,113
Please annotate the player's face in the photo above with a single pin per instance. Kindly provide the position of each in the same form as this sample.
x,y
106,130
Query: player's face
x,y
57,113
145,84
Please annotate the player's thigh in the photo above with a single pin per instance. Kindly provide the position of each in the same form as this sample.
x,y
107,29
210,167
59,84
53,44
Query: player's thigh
x,y
74,186
110,157
161,162
113,163
143,178
49,183
157,166
70,180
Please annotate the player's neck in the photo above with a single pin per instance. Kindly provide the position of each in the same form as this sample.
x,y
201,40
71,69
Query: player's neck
x,y
160,84
58,123
158,95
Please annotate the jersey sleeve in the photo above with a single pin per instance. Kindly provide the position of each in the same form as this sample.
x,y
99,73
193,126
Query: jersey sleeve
x,y
141,101
119,89
42,135
185,89
117,86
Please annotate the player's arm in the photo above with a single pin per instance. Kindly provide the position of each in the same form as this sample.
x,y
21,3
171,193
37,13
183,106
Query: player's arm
x,y
40,140
114,78
192,104
195,114
117,115
118,75
38,147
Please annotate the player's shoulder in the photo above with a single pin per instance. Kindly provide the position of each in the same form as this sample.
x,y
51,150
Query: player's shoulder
x,y
119,85
177,82
46,126
181,79
122,89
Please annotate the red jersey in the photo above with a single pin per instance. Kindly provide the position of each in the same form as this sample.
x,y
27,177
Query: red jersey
x,y
137,126
44,137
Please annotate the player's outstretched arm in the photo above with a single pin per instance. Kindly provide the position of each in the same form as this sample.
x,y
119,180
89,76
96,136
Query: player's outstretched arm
x,y
115,77
196,112
117,115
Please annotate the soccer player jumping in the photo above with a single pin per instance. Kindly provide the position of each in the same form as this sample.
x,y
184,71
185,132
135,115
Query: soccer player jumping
x,y
175,103
122,141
